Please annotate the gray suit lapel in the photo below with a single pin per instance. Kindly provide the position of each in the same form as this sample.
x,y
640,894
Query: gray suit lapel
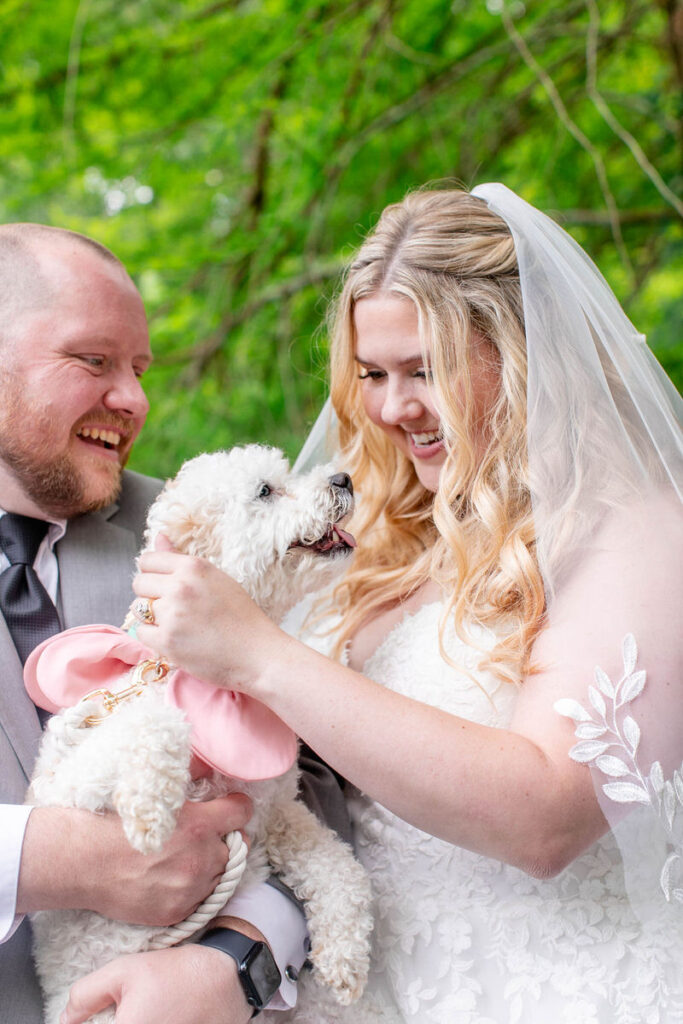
x,y
17,712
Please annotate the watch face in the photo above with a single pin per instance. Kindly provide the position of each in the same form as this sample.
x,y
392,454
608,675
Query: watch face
x,y
263,972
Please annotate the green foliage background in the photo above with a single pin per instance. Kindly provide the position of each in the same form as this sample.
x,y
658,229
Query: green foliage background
x,y
233,154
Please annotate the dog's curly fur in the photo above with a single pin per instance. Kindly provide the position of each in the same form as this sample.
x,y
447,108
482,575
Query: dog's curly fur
x,y
273,532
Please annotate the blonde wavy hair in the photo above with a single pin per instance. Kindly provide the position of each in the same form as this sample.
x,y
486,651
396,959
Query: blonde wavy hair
x,y
445,251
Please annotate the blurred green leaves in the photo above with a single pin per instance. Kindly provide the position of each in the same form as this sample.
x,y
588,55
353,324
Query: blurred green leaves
x,y
234,153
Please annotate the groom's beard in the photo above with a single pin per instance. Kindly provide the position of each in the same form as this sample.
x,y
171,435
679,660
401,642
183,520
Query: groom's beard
x,y
51,477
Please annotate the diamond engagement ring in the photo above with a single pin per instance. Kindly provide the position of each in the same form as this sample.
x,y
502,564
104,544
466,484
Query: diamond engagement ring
x,y
143,611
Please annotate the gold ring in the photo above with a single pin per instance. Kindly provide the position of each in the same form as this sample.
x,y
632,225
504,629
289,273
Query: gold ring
x,y
142,610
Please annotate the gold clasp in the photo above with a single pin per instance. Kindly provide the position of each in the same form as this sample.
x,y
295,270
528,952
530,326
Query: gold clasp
x,y
141,678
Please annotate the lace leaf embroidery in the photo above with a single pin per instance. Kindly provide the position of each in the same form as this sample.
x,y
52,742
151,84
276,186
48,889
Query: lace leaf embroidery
x,y
602,729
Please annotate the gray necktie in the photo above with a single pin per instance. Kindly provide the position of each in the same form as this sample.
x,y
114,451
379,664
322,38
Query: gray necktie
x,y
30,615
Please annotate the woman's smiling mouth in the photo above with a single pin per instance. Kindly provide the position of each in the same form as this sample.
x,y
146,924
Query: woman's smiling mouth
x,y
425,444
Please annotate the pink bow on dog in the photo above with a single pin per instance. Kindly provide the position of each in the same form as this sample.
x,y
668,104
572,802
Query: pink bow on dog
x,y
235,734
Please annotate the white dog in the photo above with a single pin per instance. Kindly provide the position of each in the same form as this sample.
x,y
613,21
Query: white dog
x,y
279,536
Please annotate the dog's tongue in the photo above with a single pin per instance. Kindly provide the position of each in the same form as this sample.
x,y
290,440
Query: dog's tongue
x,y
346,537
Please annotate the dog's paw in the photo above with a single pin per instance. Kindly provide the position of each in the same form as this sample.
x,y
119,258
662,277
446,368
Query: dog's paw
x,y
345,976
148,819
340,951
146,825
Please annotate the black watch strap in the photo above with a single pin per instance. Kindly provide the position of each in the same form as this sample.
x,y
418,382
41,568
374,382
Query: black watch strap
x,y
257,971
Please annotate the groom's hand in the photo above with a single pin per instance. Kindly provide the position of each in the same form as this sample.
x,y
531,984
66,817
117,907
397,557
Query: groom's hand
x,y
184,985
73,859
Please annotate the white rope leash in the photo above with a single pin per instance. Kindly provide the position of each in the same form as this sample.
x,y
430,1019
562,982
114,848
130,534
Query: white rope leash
x,y
234,870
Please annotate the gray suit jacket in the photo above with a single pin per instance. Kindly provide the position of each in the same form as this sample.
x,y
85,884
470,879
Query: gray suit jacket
x,y
95,570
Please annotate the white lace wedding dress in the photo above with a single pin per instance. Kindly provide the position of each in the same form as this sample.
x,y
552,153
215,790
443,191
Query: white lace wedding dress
x,y
462,938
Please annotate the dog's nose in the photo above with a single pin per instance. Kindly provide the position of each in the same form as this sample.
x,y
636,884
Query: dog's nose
x,y
342,481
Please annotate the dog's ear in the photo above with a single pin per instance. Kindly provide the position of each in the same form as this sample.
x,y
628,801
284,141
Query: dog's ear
x,y
191,532
155,516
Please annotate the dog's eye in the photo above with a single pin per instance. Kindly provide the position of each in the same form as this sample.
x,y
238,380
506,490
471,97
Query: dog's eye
x,y
266,491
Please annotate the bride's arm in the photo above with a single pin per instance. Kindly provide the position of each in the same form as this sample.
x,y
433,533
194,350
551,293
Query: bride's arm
x,y
512,794
490,790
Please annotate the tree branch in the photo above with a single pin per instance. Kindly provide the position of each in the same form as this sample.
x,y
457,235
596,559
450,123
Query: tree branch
x,y
673,10
71,82
602,218
480,53
574,130
607,115
200,354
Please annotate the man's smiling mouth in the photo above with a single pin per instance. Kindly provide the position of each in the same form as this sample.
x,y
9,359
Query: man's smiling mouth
x,y
104,437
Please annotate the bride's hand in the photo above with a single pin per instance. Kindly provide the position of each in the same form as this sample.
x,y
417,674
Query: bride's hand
x,y
204,621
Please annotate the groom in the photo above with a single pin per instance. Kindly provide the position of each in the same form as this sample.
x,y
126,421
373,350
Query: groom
x,y
74,346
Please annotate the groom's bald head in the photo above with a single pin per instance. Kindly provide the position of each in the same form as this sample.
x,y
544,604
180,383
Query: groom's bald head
x,y
26,254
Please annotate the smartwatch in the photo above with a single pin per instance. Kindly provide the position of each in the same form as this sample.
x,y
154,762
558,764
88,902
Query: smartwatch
x,y
257,971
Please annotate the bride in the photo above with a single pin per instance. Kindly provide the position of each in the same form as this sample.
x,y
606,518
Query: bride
x,y
498,675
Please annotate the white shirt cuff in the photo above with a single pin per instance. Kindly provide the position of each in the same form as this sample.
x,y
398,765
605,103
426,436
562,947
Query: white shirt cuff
x,y
13,820
283,926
